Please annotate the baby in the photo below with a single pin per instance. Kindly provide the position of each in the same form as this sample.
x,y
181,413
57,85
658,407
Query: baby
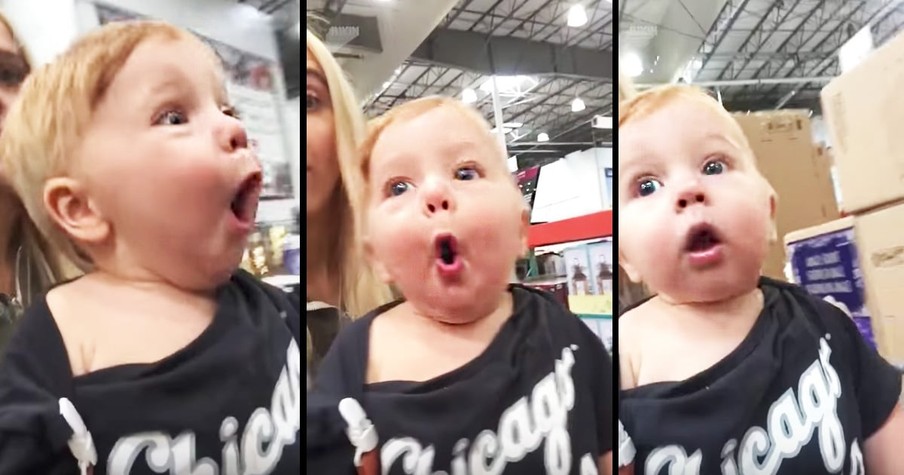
x,y
724,371
468,374
163,358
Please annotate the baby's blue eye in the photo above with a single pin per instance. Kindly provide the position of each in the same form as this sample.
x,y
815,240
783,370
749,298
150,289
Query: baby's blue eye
x,y
466,173
172,117
398,188
648,186
714,167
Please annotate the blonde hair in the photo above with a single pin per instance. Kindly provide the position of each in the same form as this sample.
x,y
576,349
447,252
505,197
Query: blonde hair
x,y
410,110
625,87
38,264
647,102
629,293
54,109
360,289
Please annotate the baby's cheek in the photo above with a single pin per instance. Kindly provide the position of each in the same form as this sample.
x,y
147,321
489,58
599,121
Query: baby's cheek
x,y
399,252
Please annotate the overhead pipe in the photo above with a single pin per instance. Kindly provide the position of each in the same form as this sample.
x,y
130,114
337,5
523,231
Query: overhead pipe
x,y
548,144
750,82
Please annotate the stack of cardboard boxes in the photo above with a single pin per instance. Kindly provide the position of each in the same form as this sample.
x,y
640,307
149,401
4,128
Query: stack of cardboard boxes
x,y
857,262
798,171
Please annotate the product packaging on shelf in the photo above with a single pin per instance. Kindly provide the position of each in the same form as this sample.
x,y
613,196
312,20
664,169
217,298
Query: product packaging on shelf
x,y
864,108
857,263
797,170
581,278
268,248
589,270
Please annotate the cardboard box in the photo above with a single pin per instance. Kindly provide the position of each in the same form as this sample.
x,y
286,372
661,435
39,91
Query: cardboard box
x,y
857,263
863,109
798,171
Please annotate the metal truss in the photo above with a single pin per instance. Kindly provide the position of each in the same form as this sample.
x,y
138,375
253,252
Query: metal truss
x,y
787,39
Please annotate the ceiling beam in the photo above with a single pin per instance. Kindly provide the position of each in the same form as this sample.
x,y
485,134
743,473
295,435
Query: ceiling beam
x,y
512,56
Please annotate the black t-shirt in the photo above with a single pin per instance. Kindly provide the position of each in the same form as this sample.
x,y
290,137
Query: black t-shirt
x,y
324,322
799,395
228,400
537,400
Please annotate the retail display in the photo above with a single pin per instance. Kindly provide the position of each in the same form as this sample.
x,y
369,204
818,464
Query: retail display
x,y
581,279
800,174
527,182
856,262
835,261
255,95
825,261
863,108
267,250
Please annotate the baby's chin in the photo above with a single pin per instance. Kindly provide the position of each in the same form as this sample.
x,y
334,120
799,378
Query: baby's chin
x,y
708,290
453,309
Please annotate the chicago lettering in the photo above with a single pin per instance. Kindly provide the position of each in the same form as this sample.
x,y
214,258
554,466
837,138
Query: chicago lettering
x,y
791,422
523,427
256,451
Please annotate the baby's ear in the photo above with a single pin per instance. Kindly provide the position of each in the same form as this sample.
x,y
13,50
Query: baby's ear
x,y
70,208
376,264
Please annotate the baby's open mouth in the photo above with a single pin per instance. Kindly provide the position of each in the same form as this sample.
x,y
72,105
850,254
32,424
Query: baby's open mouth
x,y
446,249
448,258
244,203
701,238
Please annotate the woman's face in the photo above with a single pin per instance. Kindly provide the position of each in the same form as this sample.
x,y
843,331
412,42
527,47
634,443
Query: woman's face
x,y
323,166
13,70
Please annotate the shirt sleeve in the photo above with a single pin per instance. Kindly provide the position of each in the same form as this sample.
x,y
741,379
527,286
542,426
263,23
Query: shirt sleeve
x,y
602,377
877,383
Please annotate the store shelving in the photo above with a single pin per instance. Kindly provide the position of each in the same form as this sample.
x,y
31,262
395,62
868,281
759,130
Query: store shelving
x,y
589,226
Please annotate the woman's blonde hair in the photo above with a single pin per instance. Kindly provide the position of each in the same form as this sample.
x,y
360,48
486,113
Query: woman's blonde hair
x,y
38,264
360,289
625,87
629,293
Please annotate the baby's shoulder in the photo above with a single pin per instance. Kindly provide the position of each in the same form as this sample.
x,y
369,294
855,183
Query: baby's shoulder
x,y
633,323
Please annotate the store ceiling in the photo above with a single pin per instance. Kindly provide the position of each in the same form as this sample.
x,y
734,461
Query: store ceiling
x,y
791,43
542,65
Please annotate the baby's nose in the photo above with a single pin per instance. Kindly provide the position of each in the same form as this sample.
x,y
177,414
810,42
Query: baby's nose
x,y
438,198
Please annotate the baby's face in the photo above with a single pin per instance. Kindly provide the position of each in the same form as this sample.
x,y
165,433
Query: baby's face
x,y
167,165
694,213
446,222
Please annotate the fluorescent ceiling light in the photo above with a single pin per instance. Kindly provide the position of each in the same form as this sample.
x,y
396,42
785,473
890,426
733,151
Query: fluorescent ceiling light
x,y
577,16
513,125
543,137
632,65
508,85
468,96
600,122
577,105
